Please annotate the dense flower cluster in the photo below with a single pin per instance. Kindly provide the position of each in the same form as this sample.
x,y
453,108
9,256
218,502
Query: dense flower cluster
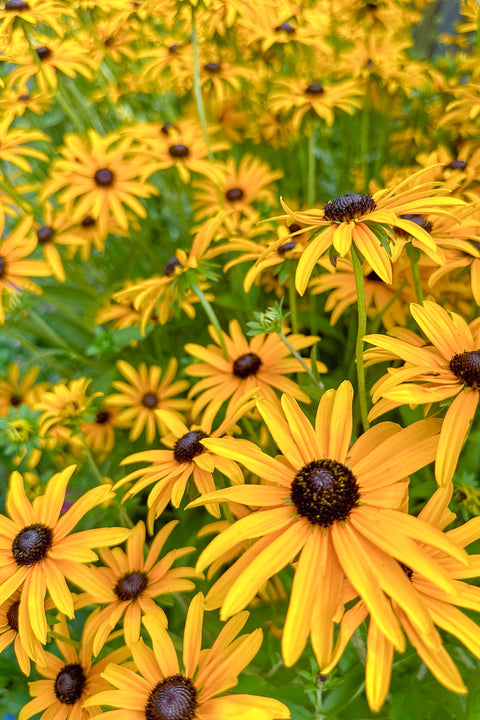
x,y
233,236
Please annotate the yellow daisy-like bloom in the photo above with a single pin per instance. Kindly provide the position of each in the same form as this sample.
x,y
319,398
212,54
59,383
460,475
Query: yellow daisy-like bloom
x,y
258,364
447,368
442,606
15,392
52,232
13,148
99,177
100,433
323,99
336,507
63,405
268,24
187,458
237,189
16,99
69,681
15,268
129,583
162,690
9,633
46,61
361,219
147,390
38,550
16,13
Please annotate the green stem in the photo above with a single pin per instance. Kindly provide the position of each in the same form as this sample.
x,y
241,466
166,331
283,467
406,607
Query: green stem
x,y
211,316
25,343
197,88
359,646
302,362
365,140
12,192
90,458
89,112
311,169
55,337
68,641
416,278
292,297
361,332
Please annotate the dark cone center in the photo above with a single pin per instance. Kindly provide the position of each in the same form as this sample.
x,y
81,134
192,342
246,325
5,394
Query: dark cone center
x,y
212,67
131,585
32,544
418,220
102,417
456,165
12,615
178,151
15,400
314,89
88,221
466,366
18,5
171,265
104,177
2,267
189,446
407,570
234,194
325,491
373,277
246,365
45,233
150,400
43,52
348,207
175,698
286,27
283,249
69,684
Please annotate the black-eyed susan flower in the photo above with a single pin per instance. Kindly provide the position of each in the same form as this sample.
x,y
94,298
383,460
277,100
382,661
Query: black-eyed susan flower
x,y
336,508
447,367
186,458
100,177
442,606
15,267
19,13
129,583
64,405
52,233
261,363
69,680
148,389
237,188
13,147
99,433
38,551
162,690
16,391
368,221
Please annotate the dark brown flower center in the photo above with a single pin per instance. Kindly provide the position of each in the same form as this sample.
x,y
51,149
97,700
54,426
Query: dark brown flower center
x,y
407,570
234,194
174,698
246,365
283,249
174,48
104,177
45,233
109,41
88,221
294,227
102,417
325,491
165,129
43,52
418,220
314,89
373,277
131,585
18,5
171,265
466,366
32,544
369,63
2,267
212,67
178,151
24,97
286,27
348,207
69,684
456,165
15,400
149,400
12,615
189,446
